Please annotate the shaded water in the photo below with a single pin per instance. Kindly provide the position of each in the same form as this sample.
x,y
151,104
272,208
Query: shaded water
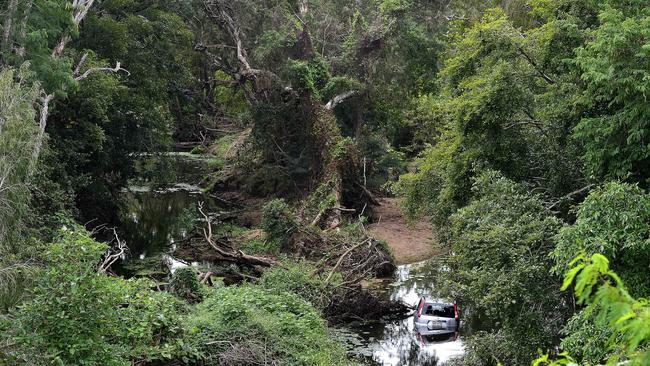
x,y
154,220
396,342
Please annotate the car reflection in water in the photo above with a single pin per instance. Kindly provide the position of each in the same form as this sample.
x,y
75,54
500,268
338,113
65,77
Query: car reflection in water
x,y
400,342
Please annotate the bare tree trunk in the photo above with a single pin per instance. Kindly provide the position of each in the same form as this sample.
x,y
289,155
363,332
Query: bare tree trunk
x,y
8,26
23,27
40,136
79,12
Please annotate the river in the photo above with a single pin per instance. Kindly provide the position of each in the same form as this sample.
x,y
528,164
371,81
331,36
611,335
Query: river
x,y
154,220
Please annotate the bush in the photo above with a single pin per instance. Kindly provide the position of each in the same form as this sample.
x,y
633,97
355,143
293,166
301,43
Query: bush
x,y
251,325
77,316
278,222
301,279
261,246
185,285
613,220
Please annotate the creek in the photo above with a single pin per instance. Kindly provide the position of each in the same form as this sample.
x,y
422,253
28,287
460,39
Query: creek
x,y
155,220
395,341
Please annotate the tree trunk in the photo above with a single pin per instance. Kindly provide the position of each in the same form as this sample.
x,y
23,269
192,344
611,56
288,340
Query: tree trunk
x,y
8,25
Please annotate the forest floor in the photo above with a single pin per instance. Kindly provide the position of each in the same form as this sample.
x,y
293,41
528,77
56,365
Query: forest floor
x,y
410,243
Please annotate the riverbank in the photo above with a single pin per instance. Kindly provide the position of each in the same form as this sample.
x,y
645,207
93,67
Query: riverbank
x,y
410,243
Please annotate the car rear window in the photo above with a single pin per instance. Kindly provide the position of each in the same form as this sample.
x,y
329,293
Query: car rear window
x,y
438,309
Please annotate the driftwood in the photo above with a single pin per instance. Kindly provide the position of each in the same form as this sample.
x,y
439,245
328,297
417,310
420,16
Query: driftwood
x,y
238,257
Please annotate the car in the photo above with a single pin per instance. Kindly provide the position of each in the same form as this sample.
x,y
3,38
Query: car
x,y
435,316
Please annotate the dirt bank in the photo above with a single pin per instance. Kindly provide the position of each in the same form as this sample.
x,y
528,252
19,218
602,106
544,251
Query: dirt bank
x,y
410,243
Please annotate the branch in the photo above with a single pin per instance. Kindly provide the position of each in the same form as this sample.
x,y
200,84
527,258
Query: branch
x,y
340,99
574,193
77,69
340,261
114,253
535,66
116,69
238,257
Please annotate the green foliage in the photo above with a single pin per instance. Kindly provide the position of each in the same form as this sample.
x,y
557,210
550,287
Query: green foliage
x,y
309,77
261,246
615,69
17,129
499,270
605,295
248,324
278,221
198,150
496,109
587,337
613,220
186,286
79,316
302,279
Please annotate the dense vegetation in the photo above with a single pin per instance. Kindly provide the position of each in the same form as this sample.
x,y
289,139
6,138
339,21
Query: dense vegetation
x,y
521,129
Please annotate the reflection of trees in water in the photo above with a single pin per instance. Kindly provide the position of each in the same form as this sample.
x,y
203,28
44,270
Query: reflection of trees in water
x,y
398,342
152,221
399,345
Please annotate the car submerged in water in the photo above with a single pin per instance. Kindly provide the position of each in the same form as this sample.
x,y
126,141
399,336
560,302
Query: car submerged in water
x,y
437,319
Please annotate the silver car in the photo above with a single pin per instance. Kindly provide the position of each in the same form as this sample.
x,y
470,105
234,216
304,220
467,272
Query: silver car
x,y
436,316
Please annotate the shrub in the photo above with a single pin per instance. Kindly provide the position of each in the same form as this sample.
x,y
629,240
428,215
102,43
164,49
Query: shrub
x,y
301,279
278,221
261,246
613,221
78,316
499,270
185,285
251,325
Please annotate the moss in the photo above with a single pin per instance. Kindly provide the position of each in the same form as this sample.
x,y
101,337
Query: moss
x,y
198,150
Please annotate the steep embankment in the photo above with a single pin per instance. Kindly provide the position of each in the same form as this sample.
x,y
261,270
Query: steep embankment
x,y
409,243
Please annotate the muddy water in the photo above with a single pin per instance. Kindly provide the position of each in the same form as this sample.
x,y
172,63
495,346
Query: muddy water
x,y
396,342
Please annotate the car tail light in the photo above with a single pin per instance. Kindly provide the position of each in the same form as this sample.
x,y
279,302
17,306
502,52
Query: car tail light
x,y
420,308
456,311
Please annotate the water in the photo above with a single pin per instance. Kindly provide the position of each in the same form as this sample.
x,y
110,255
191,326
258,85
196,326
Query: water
x,y
396,342
155,220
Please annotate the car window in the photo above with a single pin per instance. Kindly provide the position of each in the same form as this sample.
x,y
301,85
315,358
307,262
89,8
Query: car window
x,y
441,310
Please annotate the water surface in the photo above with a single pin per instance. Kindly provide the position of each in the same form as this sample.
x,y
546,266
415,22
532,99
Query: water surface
x,y
396,342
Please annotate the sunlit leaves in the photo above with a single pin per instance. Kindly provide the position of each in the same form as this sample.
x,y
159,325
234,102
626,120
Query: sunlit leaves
x,y
603,292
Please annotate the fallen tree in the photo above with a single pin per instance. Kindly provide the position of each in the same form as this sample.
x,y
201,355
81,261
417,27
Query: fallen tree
x,y
288,115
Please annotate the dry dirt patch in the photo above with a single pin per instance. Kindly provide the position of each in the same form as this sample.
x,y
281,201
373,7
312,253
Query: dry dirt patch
x,y
410,243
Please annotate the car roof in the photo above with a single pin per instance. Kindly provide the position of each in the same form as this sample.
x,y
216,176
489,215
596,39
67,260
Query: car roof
x,y
430,299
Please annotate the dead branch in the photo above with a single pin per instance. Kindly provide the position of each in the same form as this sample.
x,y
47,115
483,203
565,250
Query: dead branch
x,y
570,195
114,253
340,99
116,69
238,257
342,257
